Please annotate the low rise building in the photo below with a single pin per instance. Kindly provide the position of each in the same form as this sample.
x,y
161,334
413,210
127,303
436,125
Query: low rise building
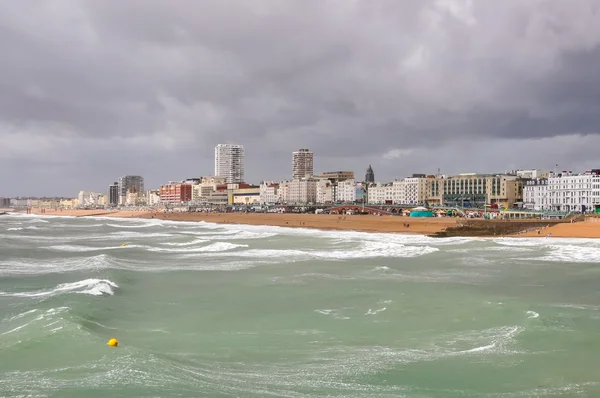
x,y
269,192
175,193
477,190
570,192
380,193
153,197
335,176
536,195
245,196
324,191
346,191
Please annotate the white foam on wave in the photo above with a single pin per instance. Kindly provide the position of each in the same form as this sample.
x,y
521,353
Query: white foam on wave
x,y
181,244
479,349
40,317
334,313
136,234
94,287
212,248
61,265
15,229
229,234
366,250
532,314
21,315
572,253
75,248
129,226
381,268
38,220
501,338
375,312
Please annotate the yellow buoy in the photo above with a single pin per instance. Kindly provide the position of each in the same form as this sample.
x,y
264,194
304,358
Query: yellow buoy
x,y
113,342
123,244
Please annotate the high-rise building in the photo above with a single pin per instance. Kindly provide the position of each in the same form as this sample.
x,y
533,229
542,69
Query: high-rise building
x,y
113,194
370,176
229,162
130,183
302,164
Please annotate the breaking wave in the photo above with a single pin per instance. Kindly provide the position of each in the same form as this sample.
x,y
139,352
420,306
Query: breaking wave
x,y
94,287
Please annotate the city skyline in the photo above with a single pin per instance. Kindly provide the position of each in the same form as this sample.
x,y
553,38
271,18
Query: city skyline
x,y
406,86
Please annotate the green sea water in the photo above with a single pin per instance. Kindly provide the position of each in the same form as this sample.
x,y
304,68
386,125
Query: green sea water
x,y
203,310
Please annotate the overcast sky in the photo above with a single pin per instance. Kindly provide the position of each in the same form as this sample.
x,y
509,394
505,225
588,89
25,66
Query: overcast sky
x,y
92,90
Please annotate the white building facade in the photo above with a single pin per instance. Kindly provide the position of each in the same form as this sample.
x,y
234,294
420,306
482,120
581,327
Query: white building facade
x,y
536,195
153,197
229,162
346,191
380,194
269,192
324,191
302,191
574,192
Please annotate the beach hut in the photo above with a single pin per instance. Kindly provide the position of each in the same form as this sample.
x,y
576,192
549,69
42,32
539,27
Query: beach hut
x,y
421,212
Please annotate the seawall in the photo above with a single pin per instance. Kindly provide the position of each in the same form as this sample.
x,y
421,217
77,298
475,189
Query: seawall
x,y
494,227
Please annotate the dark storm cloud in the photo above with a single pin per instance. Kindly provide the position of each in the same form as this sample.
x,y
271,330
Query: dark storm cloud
x,y
90,90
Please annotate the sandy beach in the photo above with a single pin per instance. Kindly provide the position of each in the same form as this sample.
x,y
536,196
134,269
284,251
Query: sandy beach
x,y
362,223
587,229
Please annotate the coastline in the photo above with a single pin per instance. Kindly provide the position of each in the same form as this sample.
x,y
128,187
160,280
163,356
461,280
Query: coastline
x,y
358,223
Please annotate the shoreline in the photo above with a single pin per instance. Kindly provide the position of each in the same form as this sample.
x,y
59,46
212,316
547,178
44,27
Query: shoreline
x,y
435,227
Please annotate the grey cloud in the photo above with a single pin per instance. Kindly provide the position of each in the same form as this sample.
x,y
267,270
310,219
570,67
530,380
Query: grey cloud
x,y
90,90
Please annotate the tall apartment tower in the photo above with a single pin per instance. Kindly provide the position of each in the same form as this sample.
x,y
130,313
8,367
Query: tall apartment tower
x,y
229,162
302,164
130,184
113,194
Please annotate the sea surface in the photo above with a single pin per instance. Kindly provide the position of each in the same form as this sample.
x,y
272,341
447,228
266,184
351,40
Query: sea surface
x,y
206,310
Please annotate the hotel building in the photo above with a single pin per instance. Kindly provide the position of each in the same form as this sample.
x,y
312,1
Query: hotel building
x,y
175,193
229,162
302,164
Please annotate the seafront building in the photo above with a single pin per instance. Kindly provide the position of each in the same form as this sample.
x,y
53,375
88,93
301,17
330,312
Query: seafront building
x,y
128,184
153,197
229,162
88,199
269,192
174,192
302,164
113,194
302,191
564,192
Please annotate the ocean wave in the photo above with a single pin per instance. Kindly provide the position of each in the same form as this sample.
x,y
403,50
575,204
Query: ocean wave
x,y
129,226
62,265
213,247
181,244
38,220
375,312
532,314
75,248
367,250
94,287
15,229
572,253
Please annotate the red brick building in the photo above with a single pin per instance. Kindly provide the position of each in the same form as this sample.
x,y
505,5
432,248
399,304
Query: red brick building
x,y
176,193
